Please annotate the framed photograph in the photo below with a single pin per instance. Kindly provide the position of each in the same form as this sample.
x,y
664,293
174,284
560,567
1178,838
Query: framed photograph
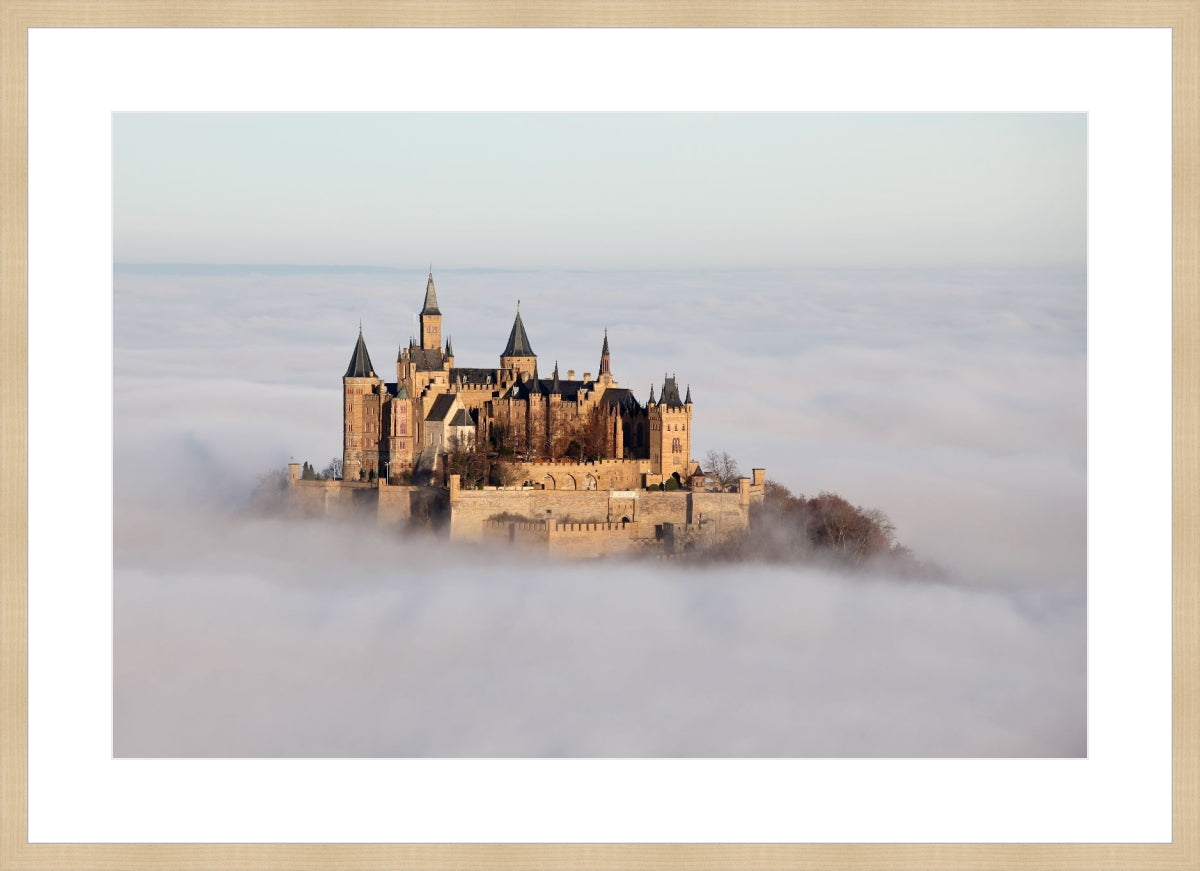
x,y
443,435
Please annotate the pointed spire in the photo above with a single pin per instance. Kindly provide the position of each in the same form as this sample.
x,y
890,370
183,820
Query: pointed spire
x,y
360,361
688,399
449,348
651,394
431,303
556,388
604,370
518,341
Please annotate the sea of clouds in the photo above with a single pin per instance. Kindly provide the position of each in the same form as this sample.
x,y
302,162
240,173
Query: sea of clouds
x,y
953,400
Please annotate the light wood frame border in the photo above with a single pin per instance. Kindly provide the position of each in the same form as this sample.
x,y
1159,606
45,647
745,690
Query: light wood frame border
x,y
17,16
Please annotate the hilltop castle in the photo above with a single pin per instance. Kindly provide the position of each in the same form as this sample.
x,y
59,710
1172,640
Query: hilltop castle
x,y
392,429
588,470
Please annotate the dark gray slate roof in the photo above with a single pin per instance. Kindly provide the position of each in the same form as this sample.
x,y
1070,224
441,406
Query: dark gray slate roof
x,y
431,306
426,359
473,376
462,418
568,390
621,397
518,342
441,407
398,391
670,393
360,361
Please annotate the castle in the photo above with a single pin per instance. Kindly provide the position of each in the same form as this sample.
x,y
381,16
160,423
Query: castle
x,y
583,468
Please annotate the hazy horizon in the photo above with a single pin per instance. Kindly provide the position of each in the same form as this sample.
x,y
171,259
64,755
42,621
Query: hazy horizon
x,y
593,190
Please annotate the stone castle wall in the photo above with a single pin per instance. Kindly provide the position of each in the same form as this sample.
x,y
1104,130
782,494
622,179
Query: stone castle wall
x,y
575,540
569,523
570,475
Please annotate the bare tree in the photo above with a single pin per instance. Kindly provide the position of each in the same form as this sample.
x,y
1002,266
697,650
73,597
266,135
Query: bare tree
x,y
334,469
471,465
723,469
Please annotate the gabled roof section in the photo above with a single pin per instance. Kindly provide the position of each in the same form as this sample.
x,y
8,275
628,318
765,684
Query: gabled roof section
x,y
473,376
441,407
426,359
621,397
462,418
431,305
518,341
360,361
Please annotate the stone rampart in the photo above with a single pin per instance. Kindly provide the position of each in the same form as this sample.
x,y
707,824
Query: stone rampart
x,y
332,498
573,475
470,508
563,539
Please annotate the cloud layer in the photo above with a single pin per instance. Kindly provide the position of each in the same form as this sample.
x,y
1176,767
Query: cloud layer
x,y
953,400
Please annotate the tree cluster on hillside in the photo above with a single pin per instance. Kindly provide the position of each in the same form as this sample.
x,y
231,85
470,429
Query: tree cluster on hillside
x,y
823,529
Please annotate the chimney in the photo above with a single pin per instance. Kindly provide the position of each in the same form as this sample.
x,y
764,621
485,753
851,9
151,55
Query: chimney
x,y
570,374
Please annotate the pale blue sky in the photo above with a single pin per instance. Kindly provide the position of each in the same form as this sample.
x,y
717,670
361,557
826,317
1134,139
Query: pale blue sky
x,y
601,190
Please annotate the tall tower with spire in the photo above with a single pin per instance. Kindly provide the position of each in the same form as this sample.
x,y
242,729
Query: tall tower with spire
x,y
361,414
431,318
670,430
518,353
605,375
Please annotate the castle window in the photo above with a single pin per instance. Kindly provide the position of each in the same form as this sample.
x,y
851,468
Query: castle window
x,y
675,446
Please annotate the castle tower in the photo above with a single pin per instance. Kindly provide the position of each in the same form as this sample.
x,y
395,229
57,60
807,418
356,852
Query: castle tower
x,y
517,354
361,414
401,435
670,430
431,318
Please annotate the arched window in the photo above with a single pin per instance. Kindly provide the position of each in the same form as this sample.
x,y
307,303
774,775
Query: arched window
x,y
568,483
589,483
548,483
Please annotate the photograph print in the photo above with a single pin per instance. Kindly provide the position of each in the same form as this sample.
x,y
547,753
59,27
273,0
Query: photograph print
x,y
600,435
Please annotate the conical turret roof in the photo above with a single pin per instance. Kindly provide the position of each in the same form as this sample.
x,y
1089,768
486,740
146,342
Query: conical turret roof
x,y
431,305
360,361
518,341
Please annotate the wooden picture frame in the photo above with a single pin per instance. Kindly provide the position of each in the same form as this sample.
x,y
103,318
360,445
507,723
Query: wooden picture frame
x,y
18,16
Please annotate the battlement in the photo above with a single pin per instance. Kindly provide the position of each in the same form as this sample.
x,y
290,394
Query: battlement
x,y
594,528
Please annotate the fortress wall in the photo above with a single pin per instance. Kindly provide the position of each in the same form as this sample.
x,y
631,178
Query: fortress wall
x,y
592,539
724,509
609,474
401,506
473,507
331,498
657,507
